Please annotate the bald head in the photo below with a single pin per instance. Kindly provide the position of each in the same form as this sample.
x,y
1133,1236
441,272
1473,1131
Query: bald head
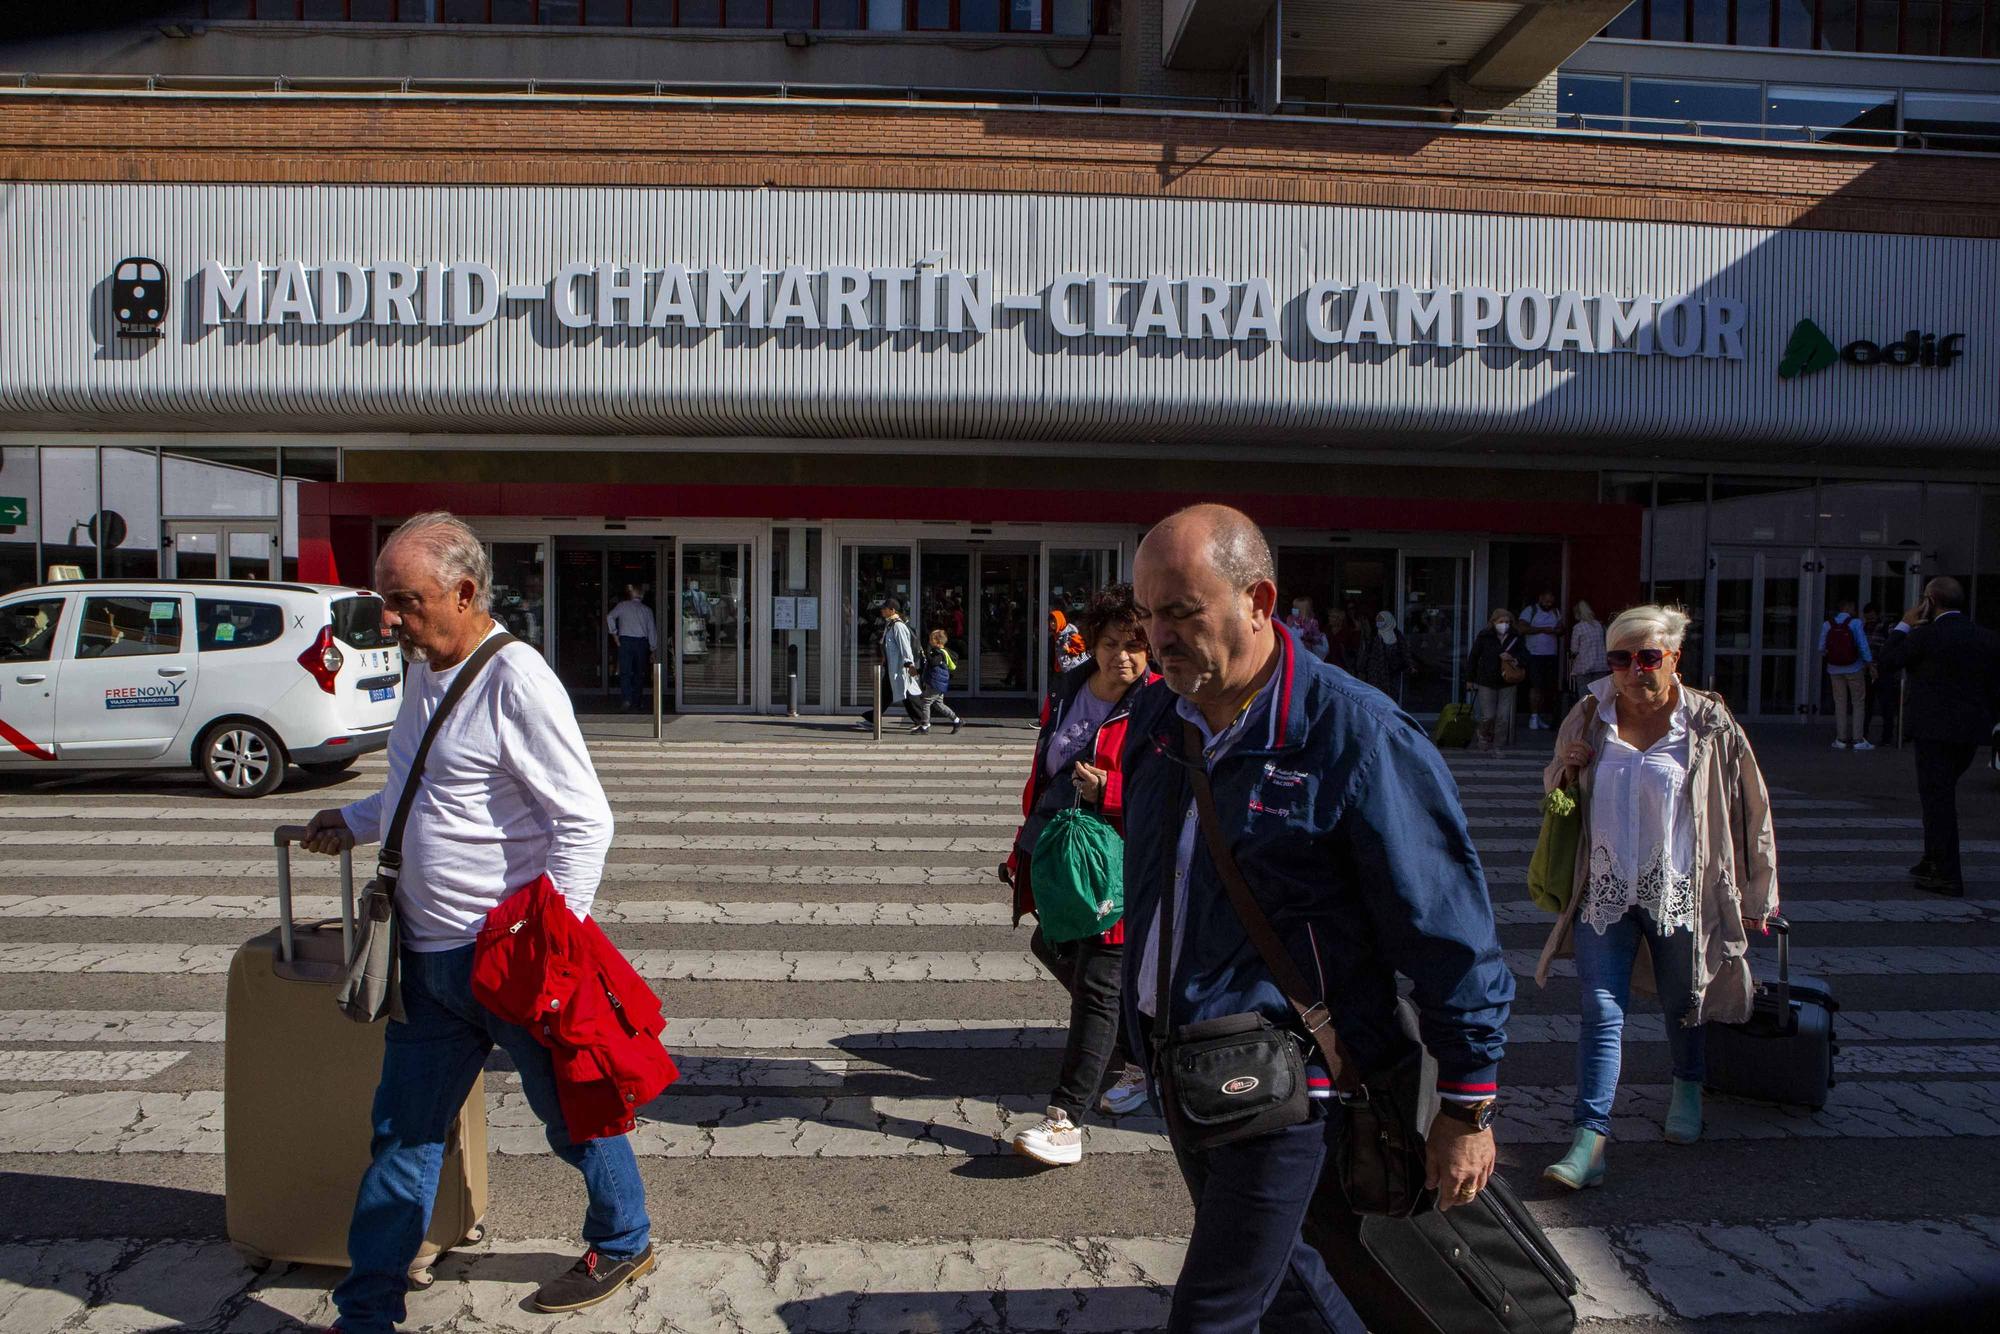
x,y
1946,593
1205,586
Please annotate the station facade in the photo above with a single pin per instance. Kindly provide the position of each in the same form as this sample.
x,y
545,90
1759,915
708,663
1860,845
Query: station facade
x,y
771,363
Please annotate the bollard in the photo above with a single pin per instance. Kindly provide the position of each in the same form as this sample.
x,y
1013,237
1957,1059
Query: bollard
x,y
1902,699
792,696
658,728
875,673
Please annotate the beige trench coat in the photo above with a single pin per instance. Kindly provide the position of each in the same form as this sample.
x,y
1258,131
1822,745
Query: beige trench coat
x,y
1736,852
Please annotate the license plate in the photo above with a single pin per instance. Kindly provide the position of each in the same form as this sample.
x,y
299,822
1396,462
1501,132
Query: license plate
x,y
385,692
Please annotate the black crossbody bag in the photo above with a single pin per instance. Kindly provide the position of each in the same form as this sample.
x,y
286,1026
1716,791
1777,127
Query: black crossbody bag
x,y
1240,1075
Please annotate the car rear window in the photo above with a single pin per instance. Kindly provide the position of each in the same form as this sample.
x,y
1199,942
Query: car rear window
x,y
222,625
357,622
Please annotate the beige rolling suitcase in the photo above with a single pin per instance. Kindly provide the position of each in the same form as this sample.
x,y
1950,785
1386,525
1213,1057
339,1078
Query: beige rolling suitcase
x,y
298,1084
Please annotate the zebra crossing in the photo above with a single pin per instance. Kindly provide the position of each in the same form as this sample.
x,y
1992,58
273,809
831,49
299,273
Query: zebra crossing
x,y
860,1028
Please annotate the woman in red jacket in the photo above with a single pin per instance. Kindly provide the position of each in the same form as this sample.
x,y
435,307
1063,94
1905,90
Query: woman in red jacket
x,y
1078,761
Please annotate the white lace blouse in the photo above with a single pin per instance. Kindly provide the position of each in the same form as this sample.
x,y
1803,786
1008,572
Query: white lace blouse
x,y
1641,827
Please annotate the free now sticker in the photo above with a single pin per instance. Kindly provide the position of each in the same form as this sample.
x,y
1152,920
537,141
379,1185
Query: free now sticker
x,y
144,697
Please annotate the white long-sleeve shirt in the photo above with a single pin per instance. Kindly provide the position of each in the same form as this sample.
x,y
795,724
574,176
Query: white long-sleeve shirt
x,y
507,793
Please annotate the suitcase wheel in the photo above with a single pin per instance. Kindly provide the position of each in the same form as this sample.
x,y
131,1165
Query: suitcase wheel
x,y
475,1234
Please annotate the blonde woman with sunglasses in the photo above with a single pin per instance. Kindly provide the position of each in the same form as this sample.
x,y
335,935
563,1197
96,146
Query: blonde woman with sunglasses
x,y
1676,866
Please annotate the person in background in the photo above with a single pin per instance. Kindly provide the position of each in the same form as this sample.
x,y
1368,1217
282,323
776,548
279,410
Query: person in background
x,y
1079,760
1542,623
1586,650
1885,686
1384,659
1305,628
1850,665
636,636
1336,637
1678,859
934,678
1492,696
901,663
1954,696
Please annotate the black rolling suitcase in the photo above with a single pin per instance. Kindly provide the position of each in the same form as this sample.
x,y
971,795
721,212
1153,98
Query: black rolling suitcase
x,y
1784,1052
1481,1268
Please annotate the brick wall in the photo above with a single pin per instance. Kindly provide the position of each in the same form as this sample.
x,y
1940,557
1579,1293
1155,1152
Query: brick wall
x,y
383,139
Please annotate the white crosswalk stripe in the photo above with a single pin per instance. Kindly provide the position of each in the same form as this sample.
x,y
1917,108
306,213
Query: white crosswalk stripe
x,y
927,1046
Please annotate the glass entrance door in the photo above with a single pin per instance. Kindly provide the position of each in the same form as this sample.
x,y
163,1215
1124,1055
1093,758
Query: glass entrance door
x,y
591,577
1436,622
713,616
1758,653
222,551
986,600
870,572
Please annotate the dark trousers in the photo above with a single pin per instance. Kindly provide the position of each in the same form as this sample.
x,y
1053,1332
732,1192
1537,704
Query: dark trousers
x,y
1092,972
1885,697
635,656
1940,764
1248,1269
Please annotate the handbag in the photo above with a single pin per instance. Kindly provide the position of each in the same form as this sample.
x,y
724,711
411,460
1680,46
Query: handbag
x,y
371,987
1379,1158
1511,670
1552,870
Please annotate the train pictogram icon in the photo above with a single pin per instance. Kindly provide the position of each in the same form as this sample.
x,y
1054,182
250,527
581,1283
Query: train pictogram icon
x,y
139,297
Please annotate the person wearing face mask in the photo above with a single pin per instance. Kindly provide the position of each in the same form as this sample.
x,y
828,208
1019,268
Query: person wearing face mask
x,y
1677,864
1079,760
1305,628
1486,669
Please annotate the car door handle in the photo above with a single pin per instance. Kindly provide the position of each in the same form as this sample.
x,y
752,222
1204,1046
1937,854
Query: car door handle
x,y
34,680
173,671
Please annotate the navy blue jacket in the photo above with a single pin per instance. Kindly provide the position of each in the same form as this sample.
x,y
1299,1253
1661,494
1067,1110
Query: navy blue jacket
x,y
1347,826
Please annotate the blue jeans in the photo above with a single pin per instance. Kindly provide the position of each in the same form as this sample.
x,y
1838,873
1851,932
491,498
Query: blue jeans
x,y
428,1066
1604,972
1247,1268
635,656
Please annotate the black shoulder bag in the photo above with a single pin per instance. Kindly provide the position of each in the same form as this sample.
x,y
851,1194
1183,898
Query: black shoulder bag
x,y
372,989
1380,1163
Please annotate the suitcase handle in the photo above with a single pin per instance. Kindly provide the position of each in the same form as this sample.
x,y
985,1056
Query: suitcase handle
x,y
1783,930
282,838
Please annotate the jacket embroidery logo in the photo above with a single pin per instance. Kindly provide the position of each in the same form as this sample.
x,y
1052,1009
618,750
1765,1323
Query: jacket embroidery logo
x,y
1284,777
1241,1084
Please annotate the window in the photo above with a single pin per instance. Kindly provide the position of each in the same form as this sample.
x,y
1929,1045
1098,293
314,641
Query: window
x,y
1669,19
1596,101
1753,21
1798,24
129,627
1871,111
28,630
228,625
20,495
357,622
1959,120
1658,103
130,518
1711,21
69,509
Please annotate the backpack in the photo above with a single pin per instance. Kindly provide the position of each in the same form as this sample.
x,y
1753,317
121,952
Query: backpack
x,y
1078,876
1841,649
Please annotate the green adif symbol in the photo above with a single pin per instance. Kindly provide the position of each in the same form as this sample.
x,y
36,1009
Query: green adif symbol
x,y
1809,350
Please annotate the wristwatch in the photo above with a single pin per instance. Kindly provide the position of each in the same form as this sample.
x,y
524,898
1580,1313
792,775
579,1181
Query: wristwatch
x,y
1479,1115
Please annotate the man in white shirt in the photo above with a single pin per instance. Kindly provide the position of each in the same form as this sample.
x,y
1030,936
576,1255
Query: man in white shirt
x,y
507,793
1543,625
636,636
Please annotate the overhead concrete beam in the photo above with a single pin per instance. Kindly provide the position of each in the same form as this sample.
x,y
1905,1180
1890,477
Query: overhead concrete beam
x,y
1207,34
1543,35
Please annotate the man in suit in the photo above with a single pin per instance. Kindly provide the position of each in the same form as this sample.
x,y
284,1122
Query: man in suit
x,y
1954,674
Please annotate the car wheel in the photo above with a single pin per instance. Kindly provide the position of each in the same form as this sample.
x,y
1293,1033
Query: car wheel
x,y
327,768
242,759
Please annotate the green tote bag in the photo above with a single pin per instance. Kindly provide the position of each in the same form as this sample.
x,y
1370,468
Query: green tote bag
x,y
1552,870
1078,876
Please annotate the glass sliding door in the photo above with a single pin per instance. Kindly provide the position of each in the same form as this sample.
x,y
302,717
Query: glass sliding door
x,y
1009,629
870,572
222,551
1759,651
947,606
520,594
1436,618
713,614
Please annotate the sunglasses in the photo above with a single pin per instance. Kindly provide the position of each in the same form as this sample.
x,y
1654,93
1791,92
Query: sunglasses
x,y
1621,659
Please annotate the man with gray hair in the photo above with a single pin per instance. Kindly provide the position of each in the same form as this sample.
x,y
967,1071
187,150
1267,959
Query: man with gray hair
x,y
507,793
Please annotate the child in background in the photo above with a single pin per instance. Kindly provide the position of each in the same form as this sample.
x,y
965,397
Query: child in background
x,y
934,678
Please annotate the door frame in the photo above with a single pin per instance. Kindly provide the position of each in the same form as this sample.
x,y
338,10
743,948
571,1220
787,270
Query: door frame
x,y
1804,649
974,549
1462,632
753,648
222,530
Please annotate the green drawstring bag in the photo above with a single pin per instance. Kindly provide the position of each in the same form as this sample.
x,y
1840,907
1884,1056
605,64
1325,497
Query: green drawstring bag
x,y
1078,876
1552,870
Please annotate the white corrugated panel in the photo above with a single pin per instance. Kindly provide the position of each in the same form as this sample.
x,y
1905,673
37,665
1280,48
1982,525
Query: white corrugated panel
x,y
62,367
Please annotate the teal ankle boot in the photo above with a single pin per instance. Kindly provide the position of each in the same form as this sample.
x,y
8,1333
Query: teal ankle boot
x,y
1582,1166
1684,1113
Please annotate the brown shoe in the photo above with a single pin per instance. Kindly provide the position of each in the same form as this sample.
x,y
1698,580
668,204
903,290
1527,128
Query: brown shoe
x,y
591,1280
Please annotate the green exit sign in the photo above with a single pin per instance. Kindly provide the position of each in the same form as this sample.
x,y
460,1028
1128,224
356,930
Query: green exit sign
x,y
13,509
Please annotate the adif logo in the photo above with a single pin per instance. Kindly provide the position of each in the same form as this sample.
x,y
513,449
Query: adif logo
x,y
1809,350
1241,1084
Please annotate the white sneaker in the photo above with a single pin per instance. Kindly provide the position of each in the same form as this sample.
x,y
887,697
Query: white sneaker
x,y
1863,745
1840,745
1126,1096
1055,1140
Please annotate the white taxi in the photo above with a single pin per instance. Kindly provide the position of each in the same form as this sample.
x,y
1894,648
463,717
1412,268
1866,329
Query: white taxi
x,y
234,678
